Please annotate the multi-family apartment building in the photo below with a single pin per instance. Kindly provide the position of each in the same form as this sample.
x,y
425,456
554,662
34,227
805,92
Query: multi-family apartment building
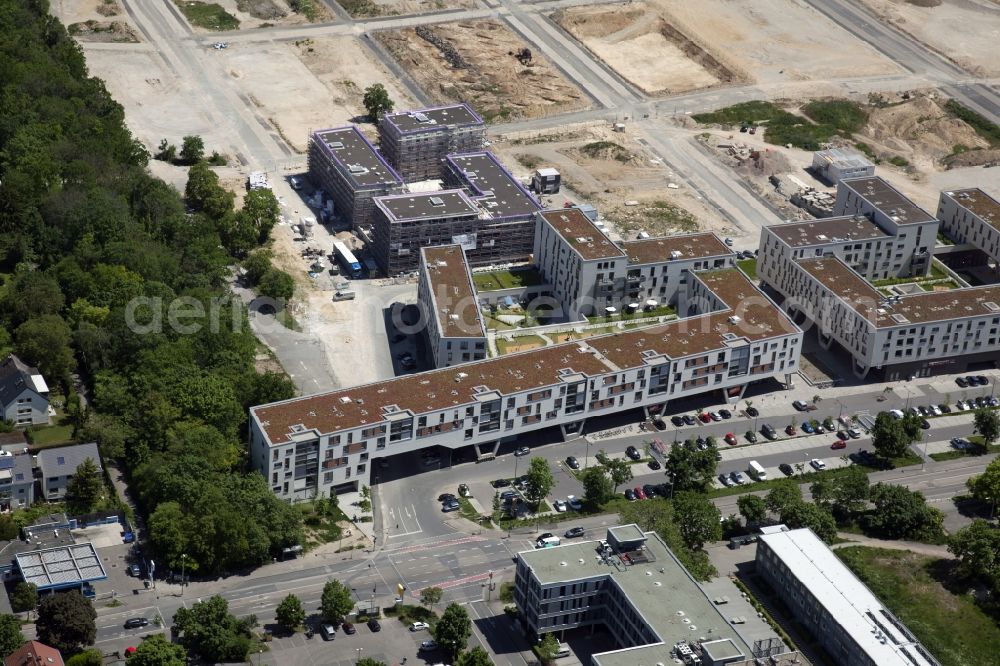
x,y
24,395
505,230
589,273
914,229
836,164
453,324
634,587
346,166
971,216
405,223
823,269
416,142
316,443
824,596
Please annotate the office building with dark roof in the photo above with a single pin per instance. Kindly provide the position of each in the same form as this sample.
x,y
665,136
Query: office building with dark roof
x,y
344,164
734,336
416,142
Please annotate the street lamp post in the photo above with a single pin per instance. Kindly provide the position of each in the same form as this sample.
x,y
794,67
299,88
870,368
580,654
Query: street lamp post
x,y
183,562
360,650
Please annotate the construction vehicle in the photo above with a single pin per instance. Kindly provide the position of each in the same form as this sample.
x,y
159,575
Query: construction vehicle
x,y
523,56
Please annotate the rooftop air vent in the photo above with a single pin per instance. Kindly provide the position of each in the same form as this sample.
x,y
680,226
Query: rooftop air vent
x,y
336,145
437,201
345,399
991,306
900,319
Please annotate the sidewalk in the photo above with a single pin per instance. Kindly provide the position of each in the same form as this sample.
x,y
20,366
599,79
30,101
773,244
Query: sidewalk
x,y
914,546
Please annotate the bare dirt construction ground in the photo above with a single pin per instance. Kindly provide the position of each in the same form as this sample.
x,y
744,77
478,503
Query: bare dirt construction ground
x,y
366,8
609,169
636,42
95,20
258,13
472,61
966,31
307,85
773,41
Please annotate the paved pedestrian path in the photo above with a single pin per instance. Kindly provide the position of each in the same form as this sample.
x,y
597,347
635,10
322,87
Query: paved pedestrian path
x,y
912,546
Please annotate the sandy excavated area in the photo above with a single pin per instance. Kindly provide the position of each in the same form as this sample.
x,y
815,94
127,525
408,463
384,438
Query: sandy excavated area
x,y
637,43
95,20
312,85
966,31
275,12
488,77
774,41
157,104
608,183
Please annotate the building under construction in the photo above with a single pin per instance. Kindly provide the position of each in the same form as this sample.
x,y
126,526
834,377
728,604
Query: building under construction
x,y
344,164
416,142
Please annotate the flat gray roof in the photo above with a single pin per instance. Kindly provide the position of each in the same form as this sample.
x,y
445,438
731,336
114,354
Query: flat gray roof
x,y
844,158
887,199
61,567
356,157
660,590
497,191
847,600
427,205
435,117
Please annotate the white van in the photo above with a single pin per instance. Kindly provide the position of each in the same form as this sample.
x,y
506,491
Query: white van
x,y
547,542
756,471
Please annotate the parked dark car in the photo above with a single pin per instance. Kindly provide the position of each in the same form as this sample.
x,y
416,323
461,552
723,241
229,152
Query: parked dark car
x,y
348,628
630,495
500,483
962,381
678,421
633,453
752,412
574,532
572,463
650,490
689,420
136,623
446,497
653,464
786,469
374,625
725,413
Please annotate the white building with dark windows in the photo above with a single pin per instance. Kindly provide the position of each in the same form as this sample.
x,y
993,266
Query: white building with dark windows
x,y
845,617
824,270
589,273
631,585
24,395
455,329
836,164
972,216
733,337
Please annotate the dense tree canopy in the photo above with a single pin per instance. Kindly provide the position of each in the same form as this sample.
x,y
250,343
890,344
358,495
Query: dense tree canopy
x,y
209,630
67,621
10,634
901,513
452,631
97,251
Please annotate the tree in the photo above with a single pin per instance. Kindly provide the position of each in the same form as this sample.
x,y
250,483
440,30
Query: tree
x,y
257,264
477,656
540,480
66,621
276,284
660,517
845,494
192,149
798,514
204,194
336,601
618,469
156,650
691,468
752,508
431,595
261,211
453,630
901,513
365,503
166,151
597,488
987,423
377,101
977,548
548,648
85,490
91,657
891,437
211,631
11,637
781,495
45,342
24,597
985,487
697,519
290,614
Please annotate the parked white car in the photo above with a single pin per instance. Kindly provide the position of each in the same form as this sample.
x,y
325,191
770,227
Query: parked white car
x,y
817,463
